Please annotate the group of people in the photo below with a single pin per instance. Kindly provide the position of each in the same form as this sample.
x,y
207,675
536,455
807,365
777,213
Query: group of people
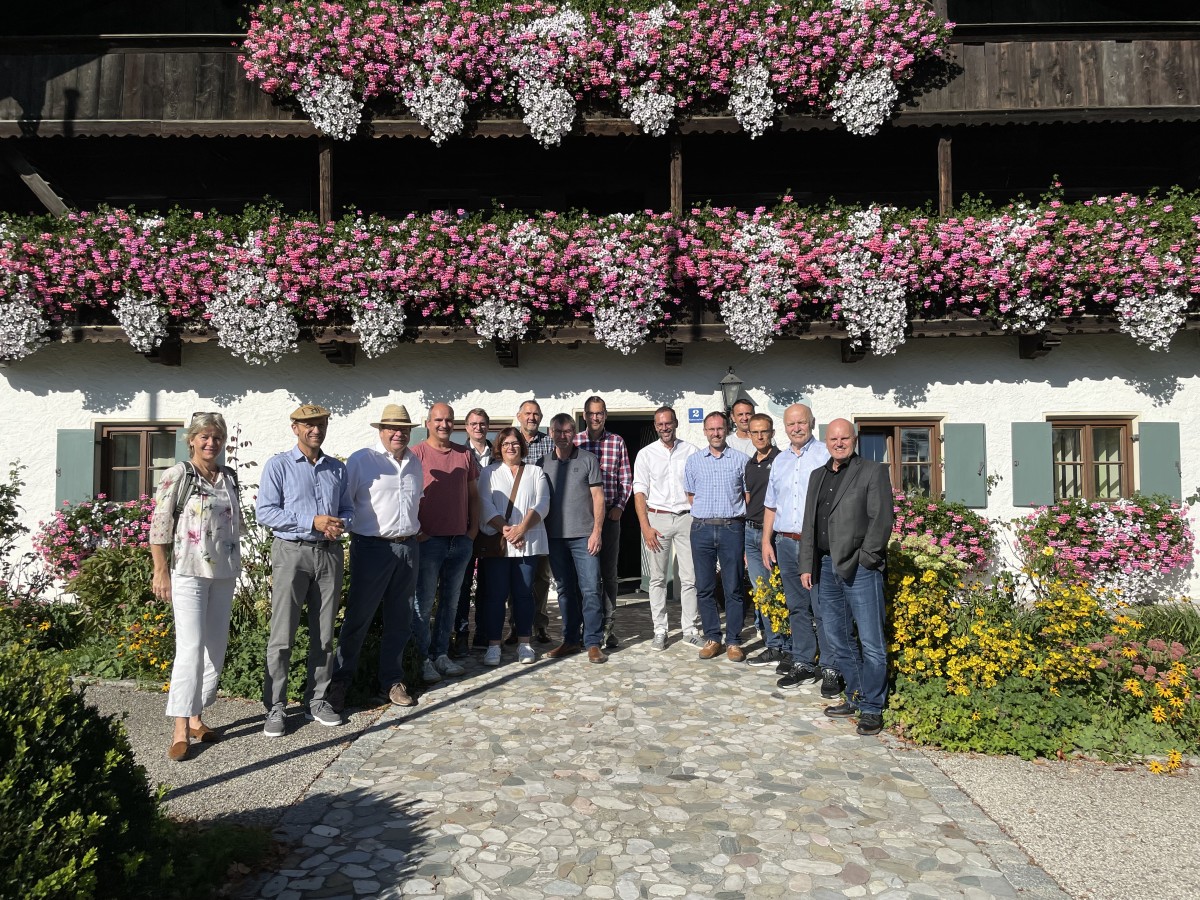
x,y
428,522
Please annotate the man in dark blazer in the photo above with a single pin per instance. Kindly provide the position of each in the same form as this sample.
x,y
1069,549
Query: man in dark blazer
x,y
843,548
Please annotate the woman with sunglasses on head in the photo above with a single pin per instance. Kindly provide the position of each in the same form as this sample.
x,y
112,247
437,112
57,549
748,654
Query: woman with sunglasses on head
x,y
515,500
195,543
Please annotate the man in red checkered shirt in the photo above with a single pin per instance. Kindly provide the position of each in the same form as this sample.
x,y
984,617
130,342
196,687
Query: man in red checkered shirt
x,y
609,448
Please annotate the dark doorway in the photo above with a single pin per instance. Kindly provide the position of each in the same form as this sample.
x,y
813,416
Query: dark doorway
x,y
637,430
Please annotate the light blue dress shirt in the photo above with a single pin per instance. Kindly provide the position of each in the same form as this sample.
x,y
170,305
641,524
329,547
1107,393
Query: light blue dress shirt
x,y
787,489
294,492
718,483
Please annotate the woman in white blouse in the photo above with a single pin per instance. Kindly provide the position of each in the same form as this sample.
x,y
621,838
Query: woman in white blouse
x,y
525,541
196,563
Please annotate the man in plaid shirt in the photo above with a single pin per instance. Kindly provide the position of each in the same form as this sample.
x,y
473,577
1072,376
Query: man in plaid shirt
x,y
609,448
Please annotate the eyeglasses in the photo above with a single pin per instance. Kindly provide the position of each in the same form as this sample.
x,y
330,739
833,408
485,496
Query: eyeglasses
x,y
477,424
511,445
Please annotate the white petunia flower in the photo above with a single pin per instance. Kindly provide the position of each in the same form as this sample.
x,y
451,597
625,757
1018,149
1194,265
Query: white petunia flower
x,y
142,319
329,101
864,101
752,101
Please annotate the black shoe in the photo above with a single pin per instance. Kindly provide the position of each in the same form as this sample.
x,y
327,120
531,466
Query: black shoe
x,y
799,676
540,636
768,657
511,640
785,664
611,642
869,723
832,683
458,646
841,711
480,641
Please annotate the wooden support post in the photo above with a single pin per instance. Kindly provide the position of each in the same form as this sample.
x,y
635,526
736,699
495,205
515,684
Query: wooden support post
x,y
945,172
325,185
676,176
34,180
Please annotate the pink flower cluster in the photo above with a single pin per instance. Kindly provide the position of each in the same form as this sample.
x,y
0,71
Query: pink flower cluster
x,y
692,50
77,531
1114,257
951,526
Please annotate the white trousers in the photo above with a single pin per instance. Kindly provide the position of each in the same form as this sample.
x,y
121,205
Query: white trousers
x,y
202,607
676,534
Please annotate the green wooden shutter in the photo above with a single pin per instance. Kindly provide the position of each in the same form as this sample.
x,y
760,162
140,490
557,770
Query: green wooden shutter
x,y
419,434
821,433
1032,464
964,457
75,465
1160,470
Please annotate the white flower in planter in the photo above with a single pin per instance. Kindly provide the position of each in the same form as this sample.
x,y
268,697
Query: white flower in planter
x,y
23,325
872,306
548,108
438,102
752,101
379,321
142,319
1152,319
650,110
329,101
251,317
864,101
751,312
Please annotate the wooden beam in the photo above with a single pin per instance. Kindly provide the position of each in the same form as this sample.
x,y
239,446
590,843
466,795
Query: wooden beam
x,y
676,176
325,179
34,181
945,175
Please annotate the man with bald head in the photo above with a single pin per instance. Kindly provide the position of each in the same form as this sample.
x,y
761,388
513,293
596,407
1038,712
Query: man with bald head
x,y
795,657
449,515
847,525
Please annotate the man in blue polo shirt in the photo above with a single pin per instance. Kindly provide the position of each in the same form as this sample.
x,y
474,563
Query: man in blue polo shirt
x,y
714,480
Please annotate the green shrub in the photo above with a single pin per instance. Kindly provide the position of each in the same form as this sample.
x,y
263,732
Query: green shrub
x,y
78,813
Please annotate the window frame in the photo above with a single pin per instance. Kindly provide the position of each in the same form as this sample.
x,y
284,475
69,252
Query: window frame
x,y
894,464
105,467
1087,454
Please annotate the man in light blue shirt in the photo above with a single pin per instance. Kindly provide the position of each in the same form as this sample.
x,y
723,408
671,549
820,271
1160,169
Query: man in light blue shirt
x,y
305,501
714,480
787,492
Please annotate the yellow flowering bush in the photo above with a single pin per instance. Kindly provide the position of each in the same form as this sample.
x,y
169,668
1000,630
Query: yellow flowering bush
x,y
770,601
148,643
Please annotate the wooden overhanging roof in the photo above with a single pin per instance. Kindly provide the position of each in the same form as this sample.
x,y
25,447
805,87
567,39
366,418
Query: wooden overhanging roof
x,y
188,86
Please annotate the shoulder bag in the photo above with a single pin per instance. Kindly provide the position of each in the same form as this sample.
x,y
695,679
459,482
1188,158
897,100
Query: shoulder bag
x,y
494,545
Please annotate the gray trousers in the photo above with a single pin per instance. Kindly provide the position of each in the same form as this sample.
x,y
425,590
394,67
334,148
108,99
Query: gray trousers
x,y
302,574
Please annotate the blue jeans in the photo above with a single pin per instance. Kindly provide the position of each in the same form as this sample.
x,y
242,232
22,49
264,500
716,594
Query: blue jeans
x,y
756,570
846,605
444,562
380,572
809,639
579,600
725,544
504,576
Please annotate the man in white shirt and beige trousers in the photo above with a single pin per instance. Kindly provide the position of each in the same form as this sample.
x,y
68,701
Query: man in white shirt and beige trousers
x,y
666,519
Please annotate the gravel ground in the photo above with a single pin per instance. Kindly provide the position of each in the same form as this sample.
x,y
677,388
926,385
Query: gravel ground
x,y
245,778
1104,832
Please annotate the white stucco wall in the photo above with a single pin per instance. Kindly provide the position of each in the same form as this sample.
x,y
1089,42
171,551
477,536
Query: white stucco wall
x,y
957,379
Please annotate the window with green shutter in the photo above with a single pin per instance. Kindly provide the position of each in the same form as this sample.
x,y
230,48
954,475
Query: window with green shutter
x,y
1092,458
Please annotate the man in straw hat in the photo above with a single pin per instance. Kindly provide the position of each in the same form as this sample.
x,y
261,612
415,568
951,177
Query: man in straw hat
x,y
385,487
305,501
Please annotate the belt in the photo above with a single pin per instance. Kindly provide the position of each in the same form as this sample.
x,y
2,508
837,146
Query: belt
x,y
755,525
726,521
307,543
794,535
667,512
379,537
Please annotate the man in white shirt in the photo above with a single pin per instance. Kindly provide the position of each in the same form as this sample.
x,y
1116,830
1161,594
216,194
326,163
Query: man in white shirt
x,y
739,429
666,519
385,483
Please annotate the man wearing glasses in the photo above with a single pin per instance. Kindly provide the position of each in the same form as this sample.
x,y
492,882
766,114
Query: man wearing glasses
x,y
478,425
304,499
610,449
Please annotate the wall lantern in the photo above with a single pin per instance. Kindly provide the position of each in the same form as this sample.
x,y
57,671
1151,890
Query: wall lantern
x,y
731,389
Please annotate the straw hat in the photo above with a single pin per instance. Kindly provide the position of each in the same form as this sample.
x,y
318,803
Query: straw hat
x,y
394,416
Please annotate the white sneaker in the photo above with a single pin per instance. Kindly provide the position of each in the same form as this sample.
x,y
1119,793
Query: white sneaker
x,y
492,656
447,666
429,674
525,654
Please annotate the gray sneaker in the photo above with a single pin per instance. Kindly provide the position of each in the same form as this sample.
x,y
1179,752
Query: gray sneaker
x,y
429,672
659,642
323,712
274,725
694,640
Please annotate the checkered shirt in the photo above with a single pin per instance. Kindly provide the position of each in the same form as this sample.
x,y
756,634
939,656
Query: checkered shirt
x,y
609,448
540,446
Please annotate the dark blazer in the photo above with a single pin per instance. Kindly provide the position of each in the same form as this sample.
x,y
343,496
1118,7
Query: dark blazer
x,y
860,523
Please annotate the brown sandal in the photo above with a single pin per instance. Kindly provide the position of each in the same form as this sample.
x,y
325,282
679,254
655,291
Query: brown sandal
x,y
204,734
178,751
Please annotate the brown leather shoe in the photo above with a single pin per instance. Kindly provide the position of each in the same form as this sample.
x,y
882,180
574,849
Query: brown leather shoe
x,y
596,655
735,653
564,650
711,649
204,734
399,696
178,751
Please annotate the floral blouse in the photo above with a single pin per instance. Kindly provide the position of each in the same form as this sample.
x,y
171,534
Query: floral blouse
x,y
206,543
